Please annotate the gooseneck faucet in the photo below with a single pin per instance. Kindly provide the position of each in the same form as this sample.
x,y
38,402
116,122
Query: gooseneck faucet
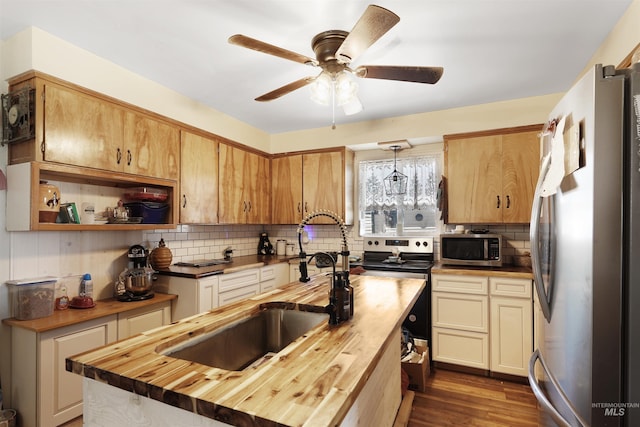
x,y
340,306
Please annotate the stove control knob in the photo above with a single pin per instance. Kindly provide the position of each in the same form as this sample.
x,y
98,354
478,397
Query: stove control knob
x,y
425,243
369,243
376,243
418,244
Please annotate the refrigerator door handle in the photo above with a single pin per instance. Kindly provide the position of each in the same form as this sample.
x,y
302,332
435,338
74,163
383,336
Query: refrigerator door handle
x,y
542,398
533,237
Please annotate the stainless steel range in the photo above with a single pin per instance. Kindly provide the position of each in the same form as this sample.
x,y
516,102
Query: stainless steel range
x,y
410,257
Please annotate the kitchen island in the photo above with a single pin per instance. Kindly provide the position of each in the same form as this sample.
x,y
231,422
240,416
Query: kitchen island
x,y
345,374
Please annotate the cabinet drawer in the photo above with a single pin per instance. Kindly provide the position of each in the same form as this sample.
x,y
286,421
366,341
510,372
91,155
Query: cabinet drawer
x,y
461,347
510,287
238,294
459,283
228,282
459,311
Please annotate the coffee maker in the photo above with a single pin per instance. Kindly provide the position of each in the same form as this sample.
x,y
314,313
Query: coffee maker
x,y
264,246
135,281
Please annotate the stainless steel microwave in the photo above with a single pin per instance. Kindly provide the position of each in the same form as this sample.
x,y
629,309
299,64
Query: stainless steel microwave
x,y
483,250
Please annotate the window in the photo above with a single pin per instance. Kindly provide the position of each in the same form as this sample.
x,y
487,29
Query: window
x,y
414,211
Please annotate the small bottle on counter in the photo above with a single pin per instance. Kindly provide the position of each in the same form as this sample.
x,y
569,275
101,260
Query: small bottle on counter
x,y
87,285
62,301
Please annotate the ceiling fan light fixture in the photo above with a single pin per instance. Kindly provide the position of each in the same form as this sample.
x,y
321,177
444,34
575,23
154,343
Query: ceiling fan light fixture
x,y
352,107
346,88
321,89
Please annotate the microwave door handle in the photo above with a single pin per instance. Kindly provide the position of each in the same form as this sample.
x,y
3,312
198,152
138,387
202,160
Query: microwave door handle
x,y
533,237
542,398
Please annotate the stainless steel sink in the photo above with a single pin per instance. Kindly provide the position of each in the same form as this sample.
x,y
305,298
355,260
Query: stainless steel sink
x,y
243,343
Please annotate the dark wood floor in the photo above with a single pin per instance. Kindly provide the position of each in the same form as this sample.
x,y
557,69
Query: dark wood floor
x,y
459,399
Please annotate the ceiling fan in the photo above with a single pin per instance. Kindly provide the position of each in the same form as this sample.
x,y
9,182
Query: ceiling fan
x,y
335,50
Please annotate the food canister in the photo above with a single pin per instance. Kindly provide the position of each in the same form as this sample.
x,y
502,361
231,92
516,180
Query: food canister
x,y
280,246
291,249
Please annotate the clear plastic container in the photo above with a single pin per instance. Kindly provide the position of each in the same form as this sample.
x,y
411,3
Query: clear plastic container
x,y
32,298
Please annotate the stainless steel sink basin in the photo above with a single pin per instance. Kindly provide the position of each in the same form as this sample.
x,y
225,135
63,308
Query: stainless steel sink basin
x,y
239,345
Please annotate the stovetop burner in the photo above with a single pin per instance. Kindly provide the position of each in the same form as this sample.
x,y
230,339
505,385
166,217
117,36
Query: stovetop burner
x,y
130,297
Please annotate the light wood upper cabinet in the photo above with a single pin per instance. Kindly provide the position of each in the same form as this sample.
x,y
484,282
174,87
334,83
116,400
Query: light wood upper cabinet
x,y
491,176
81,130
305,183
74,126
198,180
286,189
244,191
151,147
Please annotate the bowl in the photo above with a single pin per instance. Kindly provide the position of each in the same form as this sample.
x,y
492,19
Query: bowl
x,y
82,302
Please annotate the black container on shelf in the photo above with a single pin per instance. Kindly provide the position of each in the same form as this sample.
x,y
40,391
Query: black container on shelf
x,y
150,212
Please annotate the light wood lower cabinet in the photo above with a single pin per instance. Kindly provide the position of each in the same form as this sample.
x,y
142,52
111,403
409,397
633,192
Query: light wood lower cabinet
x,y
43,392
194,295
238,286
460,314
483,322
199,295
511,325
273,276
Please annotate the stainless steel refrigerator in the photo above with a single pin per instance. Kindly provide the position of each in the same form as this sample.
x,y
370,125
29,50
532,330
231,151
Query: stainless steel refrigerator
x,y
585,246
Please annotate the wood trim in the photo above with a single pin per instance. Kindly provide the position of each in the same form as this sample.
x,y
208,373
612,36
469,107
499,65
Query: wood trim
x,y
626,62
503,131
314,151
460,368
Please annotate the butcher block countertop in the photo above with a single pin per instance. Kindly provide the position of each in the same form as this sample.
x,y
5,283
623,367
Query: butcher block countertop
x,y
513,271
313,381
237,264
72,316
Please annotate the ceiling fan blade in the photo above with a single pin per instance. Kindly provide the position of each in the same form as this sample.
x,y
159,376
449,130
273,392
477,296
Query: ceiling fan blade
x,y
260,46
281,91
373,24
429,75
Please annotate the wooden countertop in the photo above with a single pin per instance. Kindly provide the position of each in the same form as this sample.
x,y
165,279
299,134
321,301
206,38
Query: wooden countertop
x,y
71,316
237,264
313,381
505,271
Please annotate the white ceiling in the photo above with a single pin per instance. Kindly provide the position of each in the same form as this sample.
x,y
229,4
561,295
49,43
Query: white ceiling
x,y
491,50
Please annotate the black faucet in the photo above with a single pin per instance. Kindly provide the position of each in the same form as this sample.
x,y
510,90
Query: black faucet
x,y
340,307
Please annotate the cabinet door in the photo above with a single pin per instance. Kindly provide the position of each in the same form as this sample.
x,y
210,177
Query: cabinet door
x,y
207,294
511,335
520,166
82,130
151,147
474,179
232,206
60,392
286,190
198,180
323,184
257,189
133,322
461,347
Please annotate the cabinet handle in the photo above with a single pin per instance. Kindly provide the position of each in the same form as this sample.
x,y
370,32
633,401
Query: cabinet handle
x,y
184,200
299,207
129,157
306,207
508,202
118,156
249,206
498,203
244,206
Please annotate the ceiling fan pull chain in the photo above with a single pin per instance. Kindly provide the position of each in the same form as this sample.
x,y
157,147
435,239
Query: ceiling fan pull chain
x,y
333,103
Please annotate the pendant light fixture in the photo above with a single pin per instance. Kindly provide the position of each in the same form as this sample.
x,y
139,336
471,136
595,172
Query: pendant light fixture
x,y
396,183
